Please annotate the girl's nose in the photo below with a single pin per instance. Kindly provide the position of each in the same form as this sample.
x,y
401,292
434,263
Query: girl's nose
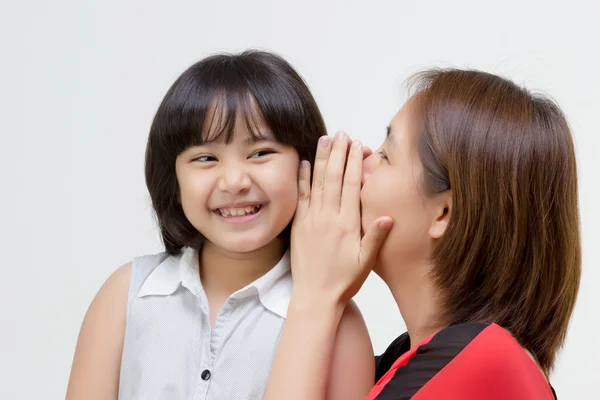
x,y
234,180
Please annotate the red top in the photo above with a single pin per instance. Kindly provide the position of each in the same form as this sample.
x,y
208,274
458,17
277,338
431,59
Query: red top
x,y
467,361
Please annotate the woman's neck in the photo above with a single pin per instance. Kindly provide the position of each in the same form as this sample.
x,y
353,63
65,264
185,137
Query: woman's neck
x,y
418,301
223,272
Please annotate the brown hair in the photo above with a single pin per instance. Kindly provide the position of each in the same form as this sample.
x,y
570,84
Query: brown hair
x,y
234,81
511,253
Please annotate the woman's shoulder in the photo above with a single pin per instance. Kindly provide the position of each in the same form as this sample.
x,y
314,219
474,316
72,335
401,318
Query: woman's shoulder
x,y
479,350
477,345
472,359
485,358
485,346
459,345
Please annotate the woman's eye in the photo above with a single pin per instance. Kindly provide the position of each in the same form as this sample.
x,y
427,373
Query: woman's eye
x,y
205,159
261,153
382,155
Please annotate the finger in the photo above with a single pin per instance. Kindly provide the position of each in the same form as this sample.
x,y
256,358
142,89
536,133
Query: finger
x,y
350,203
372,241
334,174
366,149
366,152
303,189
321,159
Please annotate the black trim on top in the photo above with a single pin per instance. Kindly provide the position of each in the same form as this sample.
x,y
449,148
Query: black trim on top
x,y
384,362
432,358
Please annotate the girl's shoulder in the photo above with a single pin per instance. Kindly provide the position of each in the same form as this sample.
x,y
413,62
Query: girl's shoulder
x,y
143,267
151,261
98,355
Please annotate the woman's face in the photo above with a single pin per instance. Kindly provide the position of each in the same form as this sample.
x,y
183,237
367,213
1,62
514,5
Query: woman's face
x,y
392,186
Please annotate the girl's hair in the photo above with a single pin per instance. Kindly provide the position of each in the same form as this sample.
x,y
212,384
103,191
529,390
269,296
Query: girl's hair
x,y
511,253
260,85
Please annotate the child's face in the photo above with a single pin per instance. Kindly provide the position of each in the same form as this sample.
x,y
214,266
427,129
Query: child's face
x,y
240,196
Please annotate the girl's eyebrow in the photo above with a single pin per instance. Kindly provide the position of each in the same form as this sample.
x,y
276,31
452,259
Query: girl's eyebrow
x,y
250,140
261,137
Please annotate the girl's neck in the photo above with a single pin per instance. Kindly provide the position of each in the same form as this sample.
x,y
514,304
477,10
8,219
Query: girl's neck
x,y
223,272
418,301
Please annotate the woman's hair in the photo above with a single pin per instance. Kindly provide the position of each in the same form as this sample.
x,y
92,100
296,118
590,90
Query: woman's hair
x,y
262,86
511,253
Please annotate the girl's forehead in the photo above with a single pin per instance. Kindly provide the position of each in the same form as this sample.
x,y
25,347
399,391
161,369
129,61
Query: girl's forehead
x,y
225,124
241,135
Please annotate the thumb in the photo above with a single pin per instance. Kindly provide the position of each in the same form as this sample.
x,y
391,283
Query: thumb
x,y
303,190
373,239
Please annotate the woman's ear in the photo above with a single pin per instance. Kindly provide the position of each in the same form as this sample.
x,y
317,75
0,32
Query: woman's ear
x,y
442,210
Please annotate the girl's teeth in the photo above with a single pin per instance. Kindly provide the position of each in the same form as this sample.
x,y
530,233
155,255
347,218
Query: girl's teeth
x,y
236,212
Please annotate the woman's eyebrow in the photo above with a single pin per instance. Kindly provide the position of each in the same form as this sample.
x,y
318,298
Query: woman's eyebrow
x,y
390,137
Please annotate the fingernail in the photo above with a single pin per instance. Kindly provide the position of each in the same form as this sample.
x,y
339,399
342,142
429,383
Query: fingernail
x,y
304,164
324,141
340,136
385,224
356,144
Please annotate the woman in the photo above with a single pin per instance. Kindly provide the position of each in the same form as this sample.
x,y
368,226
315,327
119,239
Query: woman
x,y
478,178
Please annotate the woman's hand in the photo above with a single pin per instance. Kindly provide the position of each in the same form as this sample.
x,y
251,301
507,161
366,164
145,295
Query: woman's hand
x,y
330,261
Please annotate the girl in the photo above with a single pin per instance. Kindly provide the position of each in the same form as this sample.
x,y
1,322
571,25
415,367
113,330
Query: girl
x,y
202,320
479,178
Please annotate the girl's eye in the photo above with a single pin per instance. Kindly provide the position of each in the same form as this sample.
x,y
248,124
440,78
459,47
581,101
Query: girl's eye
x,y
205,159
261,153
383,156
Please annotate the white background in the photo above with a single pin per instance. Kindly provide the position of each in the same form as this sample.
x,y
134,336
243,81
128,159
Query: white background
x,y
80,81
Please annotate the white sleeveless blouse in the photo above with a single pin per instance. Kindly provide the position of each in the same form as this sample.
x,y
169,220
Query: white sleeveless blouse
x,y
170,351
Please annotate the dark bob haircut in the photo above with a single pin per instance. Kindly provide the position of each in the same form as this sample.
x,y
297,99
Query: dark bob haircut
x,y
512,251
260,85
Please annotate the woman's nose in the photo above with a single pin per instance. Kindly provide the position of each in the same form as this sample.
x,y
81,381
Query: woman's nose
x,y
369,165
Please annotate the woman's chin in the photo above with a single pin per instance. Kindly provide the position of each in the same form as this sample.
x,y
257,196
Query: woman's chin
x,y
377,268
365,223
